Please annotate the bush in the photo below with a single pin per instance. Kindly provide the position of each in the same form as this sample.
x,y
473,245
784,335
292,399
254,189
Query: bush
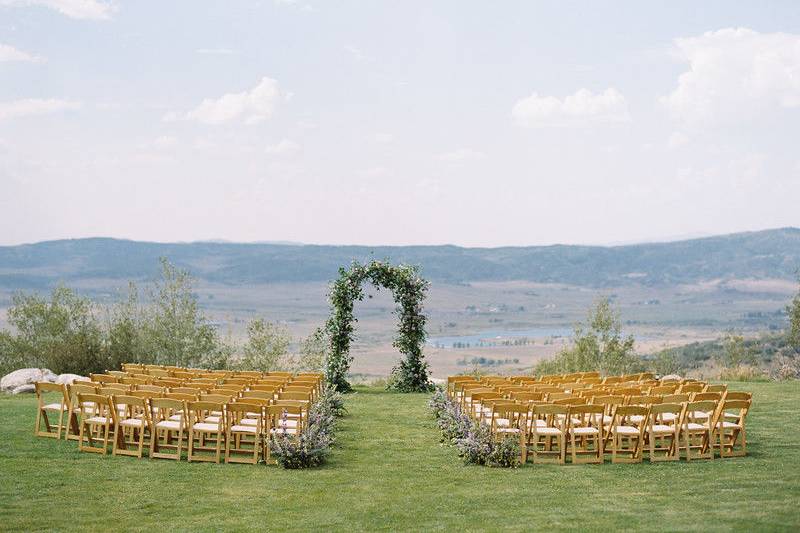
x,y
312,447
473,440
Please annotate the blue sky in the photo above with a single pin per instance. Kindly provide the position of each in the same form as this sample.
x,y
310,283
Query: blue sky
x,y
472,123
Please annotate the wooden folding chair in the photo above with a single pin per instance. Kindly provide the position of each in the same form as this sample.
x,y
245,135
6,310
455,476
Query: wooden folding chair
x,y
169,423
716,388
243,442
201,429
548,440
663,431
697,429
134,417
61,407
730,429
97,414
73,422
585,430
627,438
281,420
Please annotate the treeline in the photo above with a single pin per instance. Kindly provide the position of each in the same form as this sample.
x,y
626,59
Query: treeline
x,y
598,344
163,324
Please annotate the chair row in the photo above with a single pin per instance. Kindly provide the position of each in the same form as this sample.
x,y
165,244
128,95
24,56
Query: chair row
x,y
670,429
238,427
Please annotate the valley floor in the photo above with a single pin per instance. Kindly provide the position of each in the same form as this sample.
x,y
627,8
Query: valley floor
x,y
388,472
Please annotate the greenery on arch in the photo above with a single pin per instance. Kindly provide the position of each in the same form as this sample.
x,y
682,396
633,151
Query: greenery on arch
x,y
409,290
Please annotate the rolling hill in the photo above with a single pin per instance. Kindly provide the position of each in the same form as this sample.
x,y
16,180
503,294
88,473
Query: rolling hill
x,y
759,255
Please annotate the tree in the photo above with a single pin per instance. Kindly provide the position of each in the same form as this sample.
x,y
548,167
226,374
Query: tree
x,y
127,342
794,322
61,333
314,350
267,347
735,352
599,345
176,330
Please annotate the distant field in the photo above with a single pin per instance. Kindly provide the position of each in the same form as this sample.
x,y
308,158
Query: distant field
x,y
389,473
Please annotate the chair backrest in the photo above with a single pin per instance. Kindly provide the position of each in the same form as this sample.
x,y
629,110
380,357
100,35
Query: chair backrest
x,y
146,394
264,388
164,408
179,396
515,414
236,411
96,405
702,396
571,400
135,406
527,396
554,396
298,388
643,400
552,414
734,395
586,415
103,378
665,389
675,398
217,398
184,390
657,412
278,414
623,414
704,406
716,388
151,388
134,381
43,387
736,409
692,387
199,411
304,396
267,395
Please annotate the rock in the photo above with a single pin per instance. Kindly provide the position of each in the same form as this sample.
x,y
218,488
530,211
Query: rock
x,y
69,379
29,387
25,376
675,377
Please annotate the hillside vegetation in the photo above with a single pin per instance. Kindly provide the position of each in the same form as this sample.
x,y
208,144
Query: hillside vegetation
x,y
759,255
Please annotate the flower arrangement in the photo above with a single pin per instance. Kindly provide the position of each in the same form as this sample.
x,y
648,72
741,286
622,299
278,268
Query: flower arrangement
x,y
473,440
312,446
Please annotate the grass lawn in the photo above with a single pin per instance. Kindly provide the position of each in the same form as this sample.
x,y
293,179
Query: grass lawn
x,y
389,472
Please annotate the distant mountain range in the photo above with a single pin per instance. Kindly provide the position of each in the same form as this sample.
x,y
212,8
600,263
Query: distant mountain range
x,y
762,254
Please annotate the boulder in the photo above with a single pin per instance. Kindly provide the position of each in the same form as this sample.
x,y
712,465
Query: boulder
x,y
25,376
29,388
672,376
69,379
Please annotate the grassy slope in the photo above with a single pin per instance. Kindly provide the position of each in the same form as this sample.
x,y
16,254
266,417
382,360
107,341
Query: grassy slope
x,y
390,473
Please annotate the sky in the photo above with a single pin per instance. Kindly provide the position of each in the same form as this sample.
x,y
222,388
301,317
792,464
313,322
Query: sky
x,y
398,122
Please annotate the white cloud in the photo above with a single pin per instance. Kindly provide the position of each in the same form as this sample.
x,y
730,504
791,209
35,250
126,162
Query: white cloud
x,y
35,106
461,154
578,108
77,9
9,53
374,172
165,142
383,138
284,147
356,53
253,106
216,51
735,73
677,139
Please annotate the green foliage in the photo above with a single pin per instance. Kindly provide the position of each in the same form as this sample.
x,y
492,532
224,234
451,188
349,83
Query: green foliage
x,y
793,311
599,345
60,333
178,333
314,350
409,290
266,348
735,352
63,334
665,362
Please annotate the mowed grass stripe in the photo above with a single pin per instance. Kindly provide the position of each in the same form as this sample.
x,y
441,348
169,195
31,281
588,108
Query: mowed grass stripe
x,y
389,472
